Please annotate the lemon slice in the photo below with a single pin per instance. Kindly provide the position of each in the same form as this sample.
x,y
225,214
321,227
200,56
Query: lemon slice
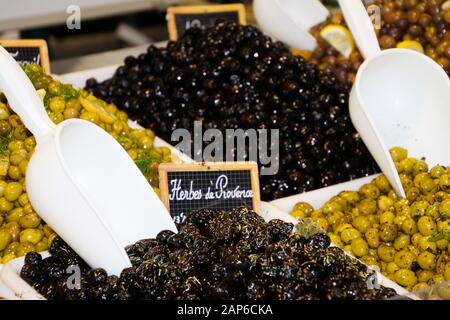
x,y
41,93
340,38
411,44
92,104
446,5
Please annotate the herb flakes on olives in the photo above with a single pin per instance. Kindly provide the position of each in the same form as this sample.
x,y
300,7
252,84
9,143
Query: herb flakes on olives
x,y
201,262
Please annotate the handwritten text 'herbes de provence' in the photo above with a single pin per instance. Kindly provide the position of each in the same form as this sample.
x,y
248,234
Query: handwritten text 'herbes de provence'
x,y
219,192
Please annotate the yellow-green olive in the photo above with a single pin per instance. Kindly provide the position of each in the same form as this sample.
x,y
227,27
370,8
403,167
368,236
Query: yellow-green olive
x,y
386,253
359,247
426,260
404,259
31,235
388,232
406,278
401,242
426,225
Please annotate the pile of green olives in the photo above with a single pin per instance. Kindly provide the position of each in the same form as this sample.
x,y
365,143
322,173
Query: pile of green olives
x,y
21,228
407,238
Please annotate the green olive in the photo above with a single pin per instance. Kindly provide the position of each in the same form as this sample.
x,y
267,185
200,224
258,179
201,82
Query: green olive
x,y
426,225
392,267
427,260
401,242
444,181
12,191
304,207
30,220
424,275
398,154
55,88
15,215
5,205
57,104
388,232
14,173
404,259
3,185
382,183
409,226
24,248
31,235
437,171
359,247
406,278
369,191
386,253
42,245
5,238
373,237
419,167
367,207
349,234
361,223
11,248
444,207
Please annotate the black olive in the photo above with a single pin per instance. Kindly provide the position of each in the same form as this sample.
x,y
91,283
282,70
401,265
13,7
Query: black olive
x,y
216,255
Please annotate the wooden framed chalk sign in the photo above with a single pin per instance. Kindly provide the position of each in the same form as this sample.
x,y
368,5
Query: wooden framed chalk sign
x,y
213,185
182,18
33,51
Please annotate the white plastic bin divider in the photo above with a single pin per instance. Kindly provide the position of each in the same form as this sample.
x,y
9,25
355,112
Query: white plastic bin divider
x,y
318,197
12,286
78,79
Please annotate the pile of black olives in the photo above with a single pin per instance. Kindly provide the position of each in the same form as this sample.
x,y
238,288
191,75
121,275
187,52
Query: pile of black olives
x,y
215,255
232,76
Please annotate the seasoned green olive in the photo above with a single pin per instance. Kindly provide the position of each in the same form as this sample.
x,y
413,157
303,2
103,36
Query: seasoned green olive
x,y
24,248
361,223
426,225
427,260
370,191
398,154
5,238
406,278
12,191
401,242
359,247
31,235
388,232
404,259
348,235
386,253
30,220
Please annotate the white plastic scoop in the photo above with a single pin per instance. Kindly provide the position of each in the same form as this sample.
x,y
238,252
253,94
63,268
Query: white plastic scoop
x,y
82,182
289,21
400,98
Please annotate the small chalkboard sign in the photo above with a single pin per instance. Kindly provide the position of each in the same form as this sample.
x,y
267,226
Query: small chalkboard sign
x,y
179,19
213,185
28,52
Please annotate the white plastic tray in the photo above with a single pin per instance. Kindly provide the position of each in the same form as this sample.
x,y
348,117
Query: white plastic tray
x,y
318,197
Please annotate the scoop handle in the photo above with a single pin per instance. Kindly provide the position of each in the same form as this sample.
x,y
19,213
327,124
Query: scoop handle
x,y
22,96
361,26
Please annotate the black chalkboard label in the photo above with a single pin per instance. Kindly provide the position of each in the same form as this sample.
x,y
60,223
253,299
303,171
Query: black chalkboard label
x,y
27,52
181,19
228,185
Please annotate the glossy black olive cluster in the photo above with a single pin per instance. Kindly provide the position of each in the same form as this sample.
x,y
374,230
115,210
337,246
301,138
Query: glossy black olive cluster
x,y
233,76
216,255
